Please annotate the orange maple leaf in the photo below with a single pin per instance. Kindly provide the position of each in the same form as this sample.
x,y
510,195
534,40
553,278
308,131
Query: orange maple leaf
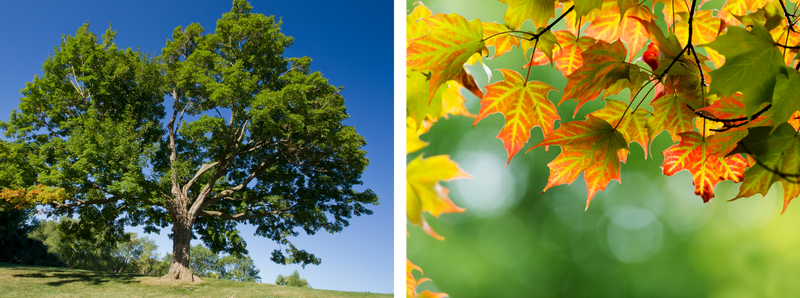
x,y
604,68
568,55
591,146
609,25
502,43
524,105
449,43
693,154
633,125
412,283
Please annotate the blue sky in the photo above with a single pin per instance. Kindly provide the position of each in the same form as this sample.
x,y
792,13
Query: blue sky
x,y
349,42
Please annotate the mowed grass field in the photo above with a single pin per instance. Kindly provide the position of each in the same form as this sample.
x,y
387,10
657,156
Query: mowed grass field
x,y
33,281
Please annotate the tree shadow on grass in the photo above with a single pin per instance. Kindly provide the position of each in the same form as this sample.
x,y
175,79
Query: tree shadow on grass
x,y
92,278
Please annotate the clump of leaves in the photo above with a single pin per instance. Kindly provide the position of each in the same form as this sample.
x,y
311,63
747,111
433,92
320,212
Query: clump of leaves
x,y
734,113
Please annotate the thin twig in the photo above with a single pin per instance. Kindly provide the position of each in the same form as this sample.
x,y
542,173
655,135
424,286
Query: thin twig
x,y
793,178
788,16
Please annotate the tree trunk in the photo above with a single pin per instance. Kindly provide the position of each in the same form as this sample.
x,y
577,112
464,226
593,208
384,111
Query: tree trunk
x,y
181,246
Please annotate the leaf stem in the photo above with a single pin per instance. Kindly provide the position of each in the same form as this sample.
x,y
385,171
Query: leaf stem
x,y
539,34
632,99
506,32
535,44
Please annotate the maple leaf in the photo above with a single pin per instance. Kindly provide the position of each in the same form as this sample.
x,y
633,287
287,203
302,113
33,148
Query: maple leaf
x,y
453,101
591,146
465,80
545,44
609,24
787,37
450,42
603,67
412,283
633,125
502,43
538,11
418,106
411,141
705,28
779,151
424,194
673,10
584,7
415,29
693,154
729,108
671,113
786,99
794,121
568,56
739,8
769,16
752,64
524,106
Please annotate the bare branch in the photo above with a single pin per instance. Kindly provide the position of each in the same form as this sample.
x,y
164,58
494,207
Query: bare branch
x,y
203,169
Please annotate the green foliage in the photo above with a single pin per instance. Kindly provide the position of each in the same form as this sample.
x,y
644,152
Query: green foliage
x,y
205,263
252,137
16,247
129,254
292,280
752,64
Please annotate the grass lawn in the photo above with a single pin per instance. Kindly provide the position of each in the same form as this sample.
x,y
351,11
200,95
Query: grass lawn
x,y
33,281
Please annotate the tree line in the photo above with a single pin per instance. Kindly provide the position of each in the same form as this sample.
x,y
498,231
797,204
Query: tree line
x,y
24,239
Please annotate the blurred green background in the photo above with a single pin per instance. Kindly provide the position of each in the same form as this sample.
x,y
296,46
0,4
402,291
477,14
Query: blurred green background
x,y
649,236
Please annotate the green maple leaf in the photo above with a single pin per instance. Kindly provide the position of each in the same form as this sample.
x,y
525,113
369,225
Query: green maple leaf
x,y
538,11
752,64
786,98
778,151
583,7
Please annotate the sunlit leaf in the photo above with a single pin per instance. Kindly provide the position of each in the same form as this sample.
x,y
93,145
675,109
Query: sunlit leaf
x,y
692,154
424,194
450,42
633,125
591,146
524,106
603,66
538,11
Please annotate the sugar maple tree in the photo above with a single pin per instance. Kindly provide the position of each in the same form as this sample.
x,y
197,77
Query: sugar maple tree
x,y
732,108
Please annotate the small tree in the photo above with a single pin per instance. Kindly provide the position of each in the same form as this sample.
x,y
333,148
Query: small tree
x,y
292,280
251,137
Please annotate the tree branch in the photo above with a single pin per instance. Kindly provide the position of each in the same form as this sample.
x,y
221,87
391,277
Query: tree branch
x,y
82,202
242,216
788,16
793,178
